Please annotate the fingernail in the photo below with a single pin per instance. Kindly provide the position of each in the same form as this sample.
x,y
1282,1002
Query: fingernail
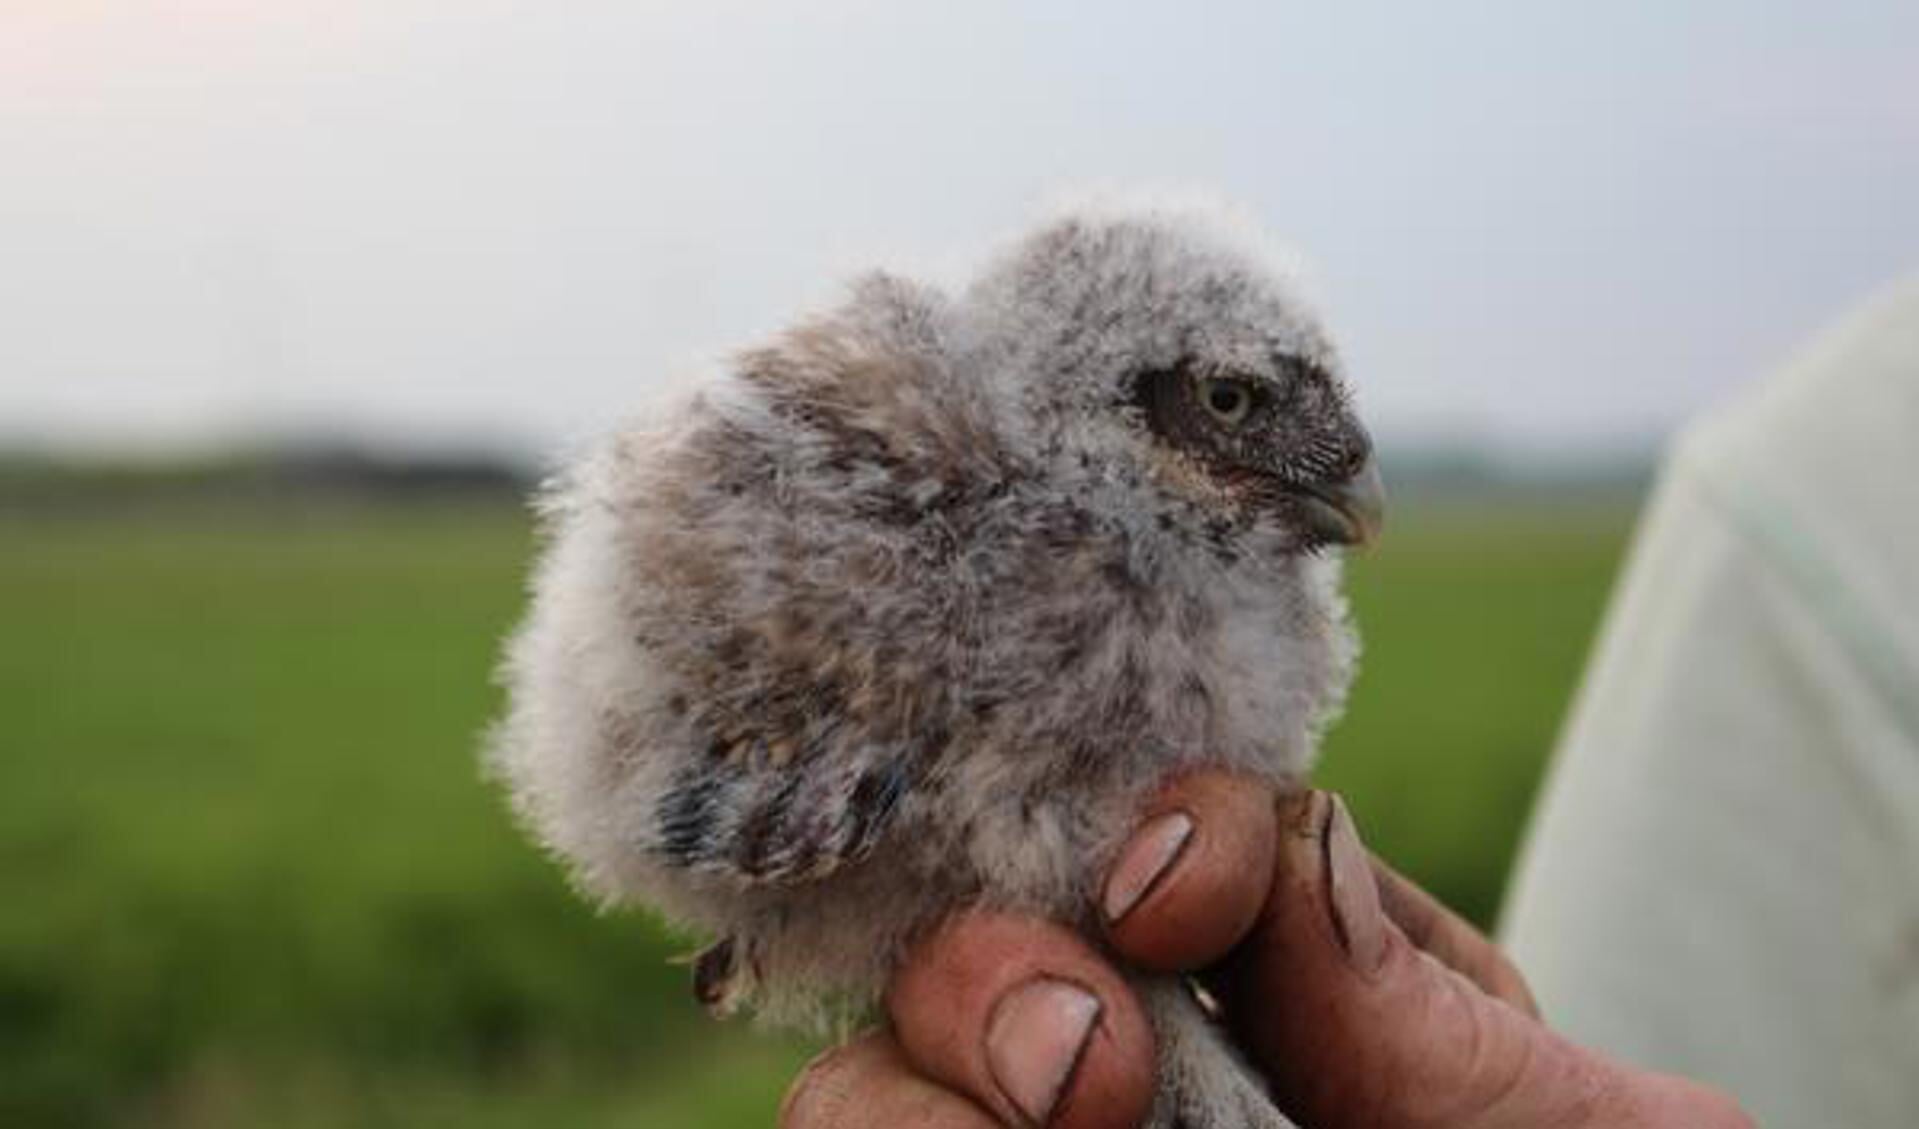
x,y
1150,853
1034,1041
1354,893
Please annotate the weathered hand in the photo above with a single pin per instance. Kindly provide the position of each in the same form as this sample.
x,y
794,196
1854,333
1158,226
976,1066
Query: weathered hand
x,y
1361,999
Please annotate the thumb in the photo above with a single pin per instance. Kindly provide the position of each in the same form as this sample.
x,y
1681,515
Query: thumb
x,y
1355,1025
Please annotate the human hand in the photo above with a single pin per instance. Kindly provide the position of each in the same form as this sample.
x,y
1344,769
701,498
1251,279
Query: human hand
x,y
1359,998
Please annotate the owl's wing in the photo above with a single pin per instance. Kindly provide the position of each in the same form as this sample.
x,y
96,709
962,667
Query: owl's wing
x,y
800,553
766,823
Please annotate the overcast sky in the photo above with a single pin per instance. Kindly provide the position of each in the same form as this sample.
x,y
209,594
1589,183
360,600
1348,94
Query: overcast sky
x,y
484,221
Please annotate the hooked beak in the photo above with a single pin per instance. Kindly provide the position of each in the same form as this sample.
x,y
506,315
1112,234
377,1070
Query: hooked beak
x,y
1349,512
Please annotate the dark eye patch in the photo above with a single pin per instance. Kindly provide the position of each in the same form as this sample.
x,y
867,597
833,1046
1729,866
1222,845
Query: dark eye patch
x,y
1188,404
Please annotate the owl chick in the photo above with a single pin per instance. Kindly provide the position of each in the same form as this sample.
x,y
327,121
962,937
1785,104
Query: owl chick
x,y
912,608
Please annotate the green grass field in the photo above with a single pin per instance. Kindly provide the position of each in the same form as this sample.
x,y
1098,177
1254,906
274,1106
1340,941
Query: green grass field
x,y
252,877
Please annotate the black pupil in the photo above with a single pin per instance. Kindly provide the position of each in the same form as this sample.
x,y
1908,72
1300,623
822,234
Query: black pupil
x,y
1225,398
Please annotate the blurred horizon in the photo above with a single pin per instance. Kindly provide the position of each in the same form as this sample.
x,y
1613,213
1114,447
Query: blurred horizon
x,y
291,469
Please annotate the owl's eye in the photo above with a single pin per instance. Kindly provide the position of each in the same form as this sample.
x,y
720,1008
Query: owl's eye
x,y
1229,400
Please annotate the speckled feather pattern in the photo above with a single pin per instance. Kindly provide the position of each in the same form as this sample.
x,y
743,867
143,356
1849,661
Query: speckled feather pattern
x,y
907,610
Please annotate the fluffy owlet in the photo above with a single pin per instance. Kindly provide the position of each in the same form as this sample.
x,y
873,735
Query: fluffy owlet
x,y
914,605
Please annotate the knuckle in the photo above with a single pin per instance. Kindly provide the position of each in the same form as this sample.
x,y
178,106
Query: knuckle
x,y
818,1097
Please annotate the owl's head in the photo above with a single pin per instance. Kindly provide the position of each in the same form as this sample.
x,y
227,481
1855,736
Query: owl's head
x,y
1157,353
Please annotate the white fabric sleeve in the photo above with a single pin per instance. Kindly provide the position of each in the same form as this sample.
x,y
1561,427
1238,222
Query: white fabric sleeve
x,y
1722,877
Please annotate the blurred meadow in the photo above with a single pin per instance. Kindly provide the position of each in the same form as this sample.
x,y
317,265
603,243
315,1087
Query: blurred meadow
x,y
254,877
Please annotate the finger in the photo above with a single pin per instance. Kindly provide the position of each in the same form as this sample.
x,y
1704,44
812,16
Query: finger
x,y
1023,1017
1663,1099
1190,882
868,1084
1354,1025
1450,939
